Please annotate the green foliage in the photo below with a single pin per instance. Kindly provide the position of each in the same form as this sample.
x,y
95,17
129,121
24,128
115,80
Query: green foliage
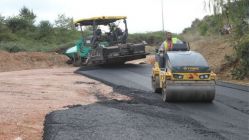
x,y
19,33
5,33
45,31
203,28
64,22
152,38
209,25
11,47
24,21
16,24
65,30
236,13
27,15
242,52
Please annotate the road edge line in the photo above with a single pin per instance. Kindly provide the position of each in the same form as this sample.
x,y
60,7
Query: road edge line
x,y
232,85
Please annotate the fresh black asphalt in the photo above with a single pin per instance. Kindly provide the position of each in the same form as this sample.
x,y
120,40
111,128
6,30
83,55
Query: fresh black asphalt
x,y
146,116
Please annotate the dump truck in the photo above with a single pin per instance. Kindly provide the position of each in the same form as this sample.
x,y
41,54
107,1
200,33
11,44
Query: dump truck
x,y
183,75
107,43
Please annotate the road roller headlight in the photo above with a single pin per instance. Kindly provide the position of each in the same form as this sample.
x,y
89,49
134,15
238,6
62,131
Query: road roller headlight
x,y
204,76
178,76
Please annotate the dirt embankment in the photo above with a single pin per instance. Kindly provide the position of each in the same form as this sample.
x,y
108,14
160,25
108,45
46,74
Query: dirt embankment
x,y
30,60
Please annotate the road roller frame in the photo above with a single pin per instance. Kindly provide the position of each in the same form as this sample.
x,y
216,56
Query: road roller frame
x,y
190,84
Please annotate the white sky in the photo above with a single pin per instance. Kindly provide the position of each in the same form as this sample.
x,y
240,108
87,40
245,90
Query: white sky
x,y
143,15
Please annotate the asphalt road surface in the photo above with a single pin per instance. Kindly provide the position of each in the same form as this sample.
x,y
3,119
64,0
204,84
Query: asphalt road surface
x,y
146,116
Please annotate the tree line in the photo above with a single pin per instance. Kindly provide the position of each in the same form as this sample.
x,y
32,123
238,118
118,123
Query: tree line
x,y
21,33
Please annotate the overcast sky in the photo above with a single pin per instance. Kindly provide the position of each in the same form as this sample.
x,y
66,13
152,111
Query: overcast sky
x,y
143,15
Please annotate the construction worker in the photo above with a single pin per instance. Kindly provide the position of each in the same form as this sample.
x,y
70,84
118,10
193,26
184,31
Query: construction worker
x,y
167,45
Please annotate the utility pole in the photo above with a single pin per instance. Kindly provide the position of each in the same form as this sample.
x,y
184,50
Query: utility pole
x,y
162,15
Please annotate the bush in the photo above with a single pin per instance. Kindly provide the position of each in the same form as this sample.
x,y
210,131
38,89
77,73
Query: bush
x,y
11,47
203,28
16,24
242,69
18,33
5,33
152,38
209,25
45,31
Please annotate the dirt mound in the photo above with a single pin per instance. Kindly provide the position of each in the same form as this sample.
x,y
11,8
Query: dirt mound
x,y
30,60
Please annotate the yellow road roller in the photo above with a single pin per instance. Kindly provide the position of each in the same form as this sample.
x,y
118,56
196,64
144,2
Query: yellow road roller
x,y
183,75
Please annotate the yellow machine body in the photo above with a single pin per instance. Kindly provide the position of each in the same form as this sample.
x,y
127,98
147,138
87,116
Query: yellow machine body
x,y
190,84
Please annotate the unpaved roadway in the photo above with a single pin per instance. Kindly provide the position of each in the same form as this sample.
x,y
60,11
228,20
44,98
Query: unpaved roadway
x,y
27,96
145,116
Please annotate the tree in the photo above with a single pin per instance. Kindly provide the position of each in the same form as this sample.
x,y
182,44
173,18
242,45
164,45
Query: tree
x,y
64,22
16,24
24,21
5,33
237,14
236,11
45,29
27,15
